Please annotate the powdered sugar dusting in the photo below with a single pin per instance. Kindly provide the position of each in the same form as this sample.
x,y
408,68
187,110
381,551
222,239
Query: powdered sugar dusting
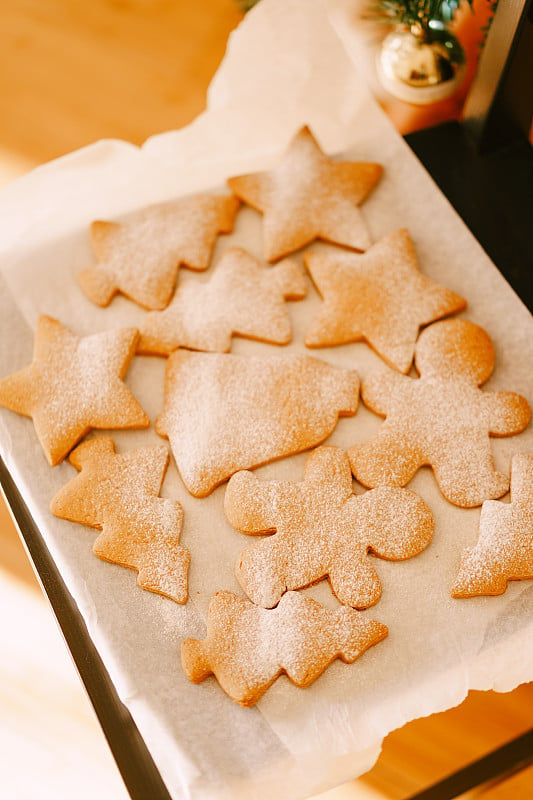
x,y
140,257
74,385
308,196
119,495
242,298
247,647
442,419
379,296
226,412
504,550
322,530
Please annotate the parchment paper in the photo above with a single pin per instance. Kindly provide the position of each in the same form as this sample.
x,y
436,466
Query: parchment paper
x,y
286,66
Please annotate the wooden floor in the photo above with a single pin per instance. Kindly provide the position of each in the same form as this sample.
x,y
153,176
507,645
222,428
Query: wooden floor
x,y
70,74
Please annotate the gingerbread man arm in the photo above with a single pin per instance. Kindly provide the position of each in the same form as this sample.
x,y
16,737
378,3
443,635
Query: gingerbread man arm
x,y
379,387
385,460
250,505
257,507
509,413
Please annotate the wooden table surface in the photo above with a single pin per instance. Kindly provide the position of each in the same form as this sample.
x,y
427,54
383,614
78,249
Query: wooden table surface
x,y
72,73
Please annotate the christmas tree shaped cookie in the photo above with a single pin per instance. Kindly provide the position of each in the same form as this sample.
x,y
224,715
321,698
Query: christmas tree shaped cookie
x,y
442,419
320,528
225,412
247,648
119,494
242,298
140,257
504,550
73,385
379,296
308,196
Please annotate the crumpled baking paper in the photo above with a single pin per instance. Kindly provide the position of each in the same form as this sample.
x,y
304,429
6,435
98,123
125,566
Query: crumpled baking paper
x,y
286,65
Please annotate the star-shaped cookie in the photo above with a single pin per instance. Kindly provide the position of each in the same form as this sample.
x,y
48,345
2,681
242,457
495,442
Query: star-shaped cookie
x,y
74,384
378,296
307,195
504,550
119,494
243,298
140,256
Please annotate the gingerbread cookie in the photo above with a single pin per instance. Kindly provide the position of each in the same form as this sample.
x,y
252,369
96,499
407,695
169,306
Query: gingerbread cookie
x,y
242,298
248,647
119,494
140,257
73,385
442,418
504,550
225,412
308,196
379,296
321,529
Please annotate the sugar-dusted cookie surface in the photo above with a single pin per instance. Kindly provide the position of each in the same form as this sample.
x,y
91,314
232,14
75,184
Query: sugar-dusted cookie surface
x,y
225,412
306,196
442,419
504,550
119,494
321,529
242,298
379,296
140,256
248,647
74,384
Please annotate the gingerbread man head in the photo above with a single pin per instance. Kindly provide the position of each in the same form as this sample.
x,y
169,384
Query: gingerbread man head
x,y
455,348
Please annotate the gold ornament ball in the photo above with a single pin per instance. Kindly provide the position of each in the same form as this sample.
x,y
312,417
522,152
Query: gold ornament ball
x,y
421,66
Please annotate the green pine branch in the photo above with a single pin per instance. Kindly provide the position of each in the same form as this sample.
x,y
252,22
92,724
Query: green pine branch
x,y
414,12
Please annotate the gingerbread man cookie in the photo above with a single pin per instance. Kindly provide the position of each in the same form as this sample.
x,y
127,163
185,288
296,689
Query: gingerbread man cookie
x,y
379,296
140,257
242,298
73,385
504,550
225,412
247,648
442,419
321,529
119,494
308,196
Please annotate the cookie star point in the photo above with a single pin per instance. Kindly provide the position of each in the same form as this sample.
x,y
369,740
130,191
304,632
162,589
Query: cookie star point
x,y
308,196
379,296
74,384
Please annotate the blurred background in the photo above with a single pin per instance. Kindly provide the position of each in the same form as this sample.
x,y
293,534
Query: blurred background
x,y
73,72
